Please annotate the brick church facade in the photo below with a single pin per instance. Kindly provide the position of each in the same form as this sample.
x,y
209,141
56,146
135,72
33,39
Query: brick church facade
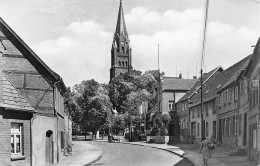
x,y
121,52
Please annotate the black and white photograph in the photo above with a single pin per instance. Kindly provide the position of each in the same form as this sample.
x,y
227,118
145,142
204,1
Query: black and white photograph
x,y
129,82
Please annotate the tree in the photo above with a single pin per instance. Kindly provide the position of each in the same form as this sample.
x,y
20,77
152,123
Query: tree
x,y
94,118
134,81
118,124
75,111
91,105
166,119
158,119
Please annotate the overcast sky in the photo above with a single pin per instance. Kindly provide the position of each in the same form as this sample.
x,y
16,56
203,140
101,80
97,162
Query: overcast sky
x,y
74,37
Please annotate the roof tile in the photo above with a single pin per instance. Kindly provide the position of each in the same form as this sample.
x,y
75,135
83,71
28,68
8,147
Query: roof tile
x,y
222,80
174,83
12,98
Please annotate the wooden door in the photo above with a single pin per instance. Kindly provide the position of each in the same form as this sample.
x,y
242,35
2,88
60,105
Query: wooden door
x,y
214,130
245,130
49,147
220,131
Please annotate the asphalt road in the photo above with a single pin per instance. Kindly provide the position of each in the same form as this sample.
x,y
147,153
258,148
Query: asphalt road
x,y
119,154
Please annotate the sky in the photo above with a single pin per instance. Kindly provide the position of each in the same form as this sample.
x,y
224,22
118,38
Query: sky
x,y
74,37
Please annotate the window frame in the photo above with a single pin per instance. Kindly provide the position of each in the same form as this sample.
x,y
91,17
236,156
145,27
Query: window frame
x,y
15,134
207,129
171,105
236,93
198,129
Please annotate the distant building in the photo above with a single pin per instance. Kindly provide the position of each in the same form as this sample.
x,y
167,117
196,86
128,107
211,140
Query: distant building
x,y
121,52
228,102
187,114
250,114
173,88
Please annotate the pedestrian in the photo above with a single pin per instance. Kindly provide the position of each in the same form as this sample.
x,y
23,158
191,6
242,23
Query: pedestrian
x,y
205,150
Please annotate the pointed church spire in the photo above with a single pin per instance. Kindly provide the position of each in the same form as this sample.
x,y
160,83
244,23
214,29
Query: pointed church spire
x,y
121,53
121,26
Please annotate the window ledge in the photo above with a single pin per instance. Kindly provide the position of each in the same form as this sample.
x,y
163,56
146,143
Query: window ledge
x,y
17,157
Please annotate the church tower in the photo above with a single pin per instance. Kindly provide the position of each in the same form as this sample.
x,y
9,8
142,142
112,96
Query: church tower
x,y
121,53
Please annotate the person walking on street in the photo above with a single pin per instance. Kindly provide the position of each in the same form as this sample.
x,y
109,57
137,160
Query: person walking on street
x,y
205,150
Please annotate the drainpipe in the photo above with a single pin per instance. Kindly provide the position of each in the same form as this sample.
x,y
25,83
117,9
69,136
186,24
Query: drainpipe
x,y
55,112
31,142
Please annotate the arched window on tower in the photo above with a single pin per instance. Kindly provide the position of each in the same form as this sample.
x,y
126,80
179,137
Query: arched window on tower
x,y
119,63
123,49
123,63
126,63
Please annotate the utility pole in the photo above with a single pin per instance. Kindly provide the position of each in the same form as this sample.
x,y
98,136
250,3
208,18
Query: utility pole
x,y
201,100
202,64
130,127
159,82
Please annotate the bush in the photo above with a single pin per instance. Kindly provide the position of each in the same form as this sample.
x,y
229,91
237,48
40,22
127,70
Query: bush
x,y
164,131
166,119
154,131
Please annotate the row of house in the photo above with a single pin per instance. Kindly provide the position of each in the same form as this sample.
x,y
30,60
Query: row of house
x,y
35,127
230,107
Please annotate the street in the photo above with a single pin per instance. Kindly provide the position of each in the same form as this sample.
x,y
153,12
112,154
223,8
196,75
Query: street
x,y
119,154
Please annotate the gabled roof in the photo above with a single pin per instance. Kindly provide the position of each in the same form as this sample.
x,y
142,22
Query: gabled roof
x,y
177,84
8,34
12,99
219,82
255,58
196,86
236,75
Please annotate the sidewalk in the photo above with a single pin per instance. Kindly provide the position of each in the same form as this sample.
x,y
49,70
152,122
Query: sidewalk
x,y
171,148
219,158
82,154
191,152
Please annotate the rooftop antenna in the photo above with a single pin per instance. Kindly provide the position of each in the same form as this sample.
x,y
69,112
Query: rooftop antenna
x,y
196,68
176,71
188,72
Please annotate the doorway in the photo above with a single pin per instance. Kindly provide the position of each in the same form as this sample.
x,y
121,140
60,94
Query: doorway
x,y
49,147
171,129
220,131
245,130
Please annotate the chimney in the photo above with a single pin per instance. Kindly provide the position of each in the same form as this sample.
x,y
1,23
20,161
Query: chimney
x,y
194,77
180,76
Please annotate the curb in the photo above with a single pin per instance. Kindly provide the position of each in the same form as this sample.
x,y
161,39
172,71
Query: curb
x,y
182,156
98,158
